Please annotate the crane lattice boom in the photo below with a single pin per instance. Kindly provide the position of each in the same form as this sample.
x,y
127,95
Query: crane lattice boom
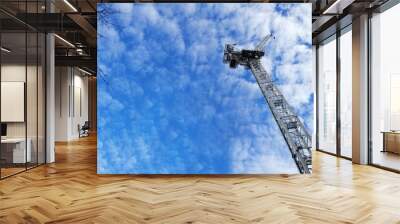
x,y
292,129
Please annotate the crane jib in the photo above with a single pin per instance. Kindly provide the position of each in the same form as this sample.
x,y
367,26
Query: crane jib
x,y
295,134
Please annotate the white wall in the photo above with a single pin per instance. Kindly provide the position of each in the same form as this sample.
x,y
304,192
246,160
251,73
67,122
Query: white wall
x,y
13,100
80,84
62,81
70,83
33,126
17,73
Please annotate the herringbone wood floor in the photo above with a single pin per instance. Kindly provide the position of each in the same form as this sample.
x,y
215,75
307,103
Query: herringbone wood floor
x,y
70,191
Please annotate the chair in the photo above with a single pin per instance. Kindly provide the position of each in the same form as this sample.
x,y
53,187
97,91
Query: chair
x,y
84,130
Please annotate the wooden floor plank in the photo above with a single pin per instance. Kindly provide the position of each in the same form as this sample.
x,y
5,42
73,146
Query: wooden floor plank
x,y
70,191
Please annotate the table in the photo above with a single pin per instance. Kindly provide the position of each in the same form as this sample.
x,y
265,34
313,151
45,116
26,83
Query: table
x,y
391,141
17,149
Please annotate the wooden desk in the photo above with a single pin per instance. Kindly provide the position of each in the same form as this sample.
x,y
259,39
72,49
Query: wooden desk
x,y
391,141
13,150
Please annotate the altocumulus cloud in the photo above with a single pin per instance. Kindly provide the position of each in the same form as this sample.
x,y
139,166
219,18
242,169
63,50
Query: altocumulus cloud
x,y
167,103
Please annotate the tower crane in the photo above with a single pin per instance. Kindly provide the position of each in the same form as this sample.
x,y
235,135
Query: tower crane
x,y
296,136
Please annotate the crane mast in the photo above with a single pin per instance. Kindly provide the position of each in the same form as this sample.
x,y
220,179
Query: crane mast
x,y
296,136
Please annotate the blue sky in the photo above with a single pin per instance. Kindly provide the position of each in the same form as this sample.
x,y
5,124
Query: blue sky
x,y
168,105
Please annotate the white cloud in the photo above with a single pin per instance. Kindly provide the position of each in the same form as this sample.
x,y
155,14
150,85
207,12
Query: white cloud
x,y
134,31
147,13
107,101
127,87
125,13
189,8
112,44
245,24
257,155
208,112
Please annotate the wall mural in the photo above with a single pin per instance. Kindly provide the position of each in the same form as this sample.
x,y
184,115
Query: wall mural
x,y
168,104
